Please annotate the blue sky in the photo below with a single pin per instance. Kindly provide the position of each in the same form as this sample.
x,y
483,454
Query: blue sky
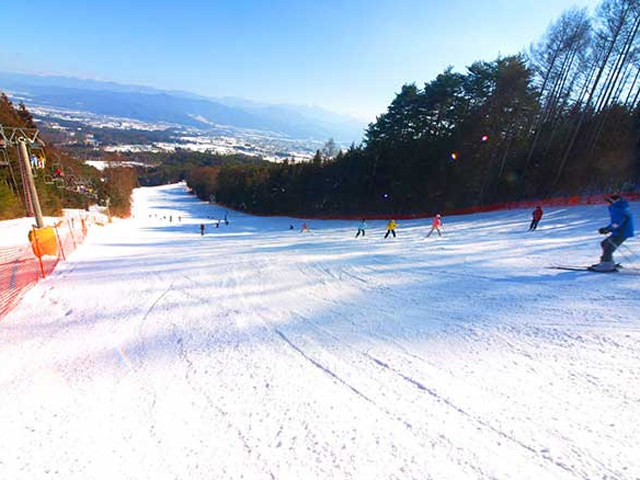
x,y
349,56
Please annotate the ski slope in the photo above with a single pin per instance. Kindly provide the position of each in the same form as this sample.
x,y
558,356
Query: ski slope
x,y
256,352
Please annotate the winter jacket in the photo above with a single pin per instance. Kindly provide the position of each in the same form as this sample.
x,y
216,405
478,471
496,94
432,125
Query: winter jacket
x,y
437,222
392,225
537,214
363,225
621,225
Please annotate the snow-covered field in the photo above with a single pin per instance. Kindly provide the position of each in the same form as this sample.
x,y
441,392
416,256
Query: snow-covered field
x,y
257,352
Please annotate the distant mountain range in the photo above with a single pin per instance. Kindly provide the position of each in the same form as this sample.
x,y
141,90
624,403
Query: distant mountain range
x,y
182,108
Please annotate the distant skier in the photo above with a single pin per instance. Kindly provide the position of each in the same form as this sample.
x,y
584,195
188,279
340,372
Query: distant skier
x,y
620,228
305,228
391,228
436,225
226,218
536,216
202,229
291,227
361,228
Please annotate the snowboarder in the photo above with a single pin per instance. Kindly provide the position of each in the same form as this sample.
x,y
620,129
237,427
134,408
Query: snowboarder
x,y
305,228
536,216
620,228
361,228
202,229
391,228
436,225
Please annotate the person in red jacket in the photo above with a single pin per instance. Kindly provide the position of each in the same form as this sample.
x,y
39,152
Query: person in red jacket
x,y
536,217
436,225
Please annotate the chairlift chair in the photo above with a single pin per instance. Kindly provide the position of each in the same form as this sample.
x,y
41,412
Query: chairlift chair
x,y
4,162
58,171
38,152
4,158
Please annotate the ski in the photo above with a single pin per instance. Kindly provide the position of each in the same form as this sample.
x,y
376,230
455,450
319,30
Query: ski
x,y
571,268
581,268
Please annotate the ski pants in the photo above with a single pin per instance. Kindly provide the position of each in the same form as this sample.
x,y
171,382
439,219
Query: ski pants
x,y
534,224
610,245
390,231
434,229
360,231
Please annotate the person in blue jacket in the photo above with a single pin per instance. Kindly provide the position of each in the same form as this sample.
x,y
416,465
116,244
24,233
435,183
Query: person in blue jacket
x,y
361,228
620,228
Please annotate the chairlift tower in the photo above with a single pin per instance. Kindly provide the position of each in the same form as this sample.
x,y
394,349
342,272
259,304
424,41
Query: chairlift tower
x,y
23,139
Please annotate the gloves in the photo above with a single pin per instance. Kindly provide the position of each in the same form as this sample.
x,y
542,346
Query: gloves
x,y
603,230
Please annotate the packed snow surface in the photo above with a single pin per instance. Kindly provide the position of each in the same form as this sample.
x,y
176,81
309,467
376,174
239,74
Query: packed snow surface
x,y
259,352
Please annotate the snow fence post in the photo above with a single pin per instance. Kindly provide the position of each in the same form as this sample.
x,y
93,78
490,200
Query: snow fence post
x,y
38,253
64,257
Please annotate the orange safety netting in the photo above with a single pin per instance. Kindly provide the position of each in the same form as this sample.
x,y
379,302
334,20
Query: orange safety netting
x,y
20,267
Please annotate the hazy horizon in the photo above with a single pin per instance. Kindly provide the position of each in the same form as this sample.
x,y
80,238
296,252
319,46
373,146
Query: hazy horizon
x,y
349,58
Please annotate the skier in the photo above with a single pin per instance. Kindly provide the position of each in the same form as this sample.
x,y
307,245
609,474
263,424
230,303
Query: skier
x,y
202,229
305,228
620,228
226,218
291,227
361,228
536,216
436,225
391,228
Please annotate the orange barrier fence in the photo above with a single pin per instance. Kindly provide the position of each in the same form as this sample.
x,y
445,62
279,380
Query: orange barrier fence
x,y
21,267
549,202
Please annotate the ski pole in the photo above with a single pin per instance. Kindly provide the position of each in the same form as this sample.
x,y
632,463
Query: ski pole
x,y
629,250
633,255
626,257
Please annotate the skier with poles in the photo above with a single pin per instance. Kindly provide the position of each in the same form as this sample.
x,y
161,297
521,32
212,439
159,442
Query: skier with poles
x,y
391,228
536,216
361,228
436,225
620,228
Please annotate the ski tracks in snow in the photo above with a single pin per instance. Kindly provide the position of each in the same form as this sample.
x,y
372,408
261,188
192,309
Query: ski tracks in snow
x,y
254,352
